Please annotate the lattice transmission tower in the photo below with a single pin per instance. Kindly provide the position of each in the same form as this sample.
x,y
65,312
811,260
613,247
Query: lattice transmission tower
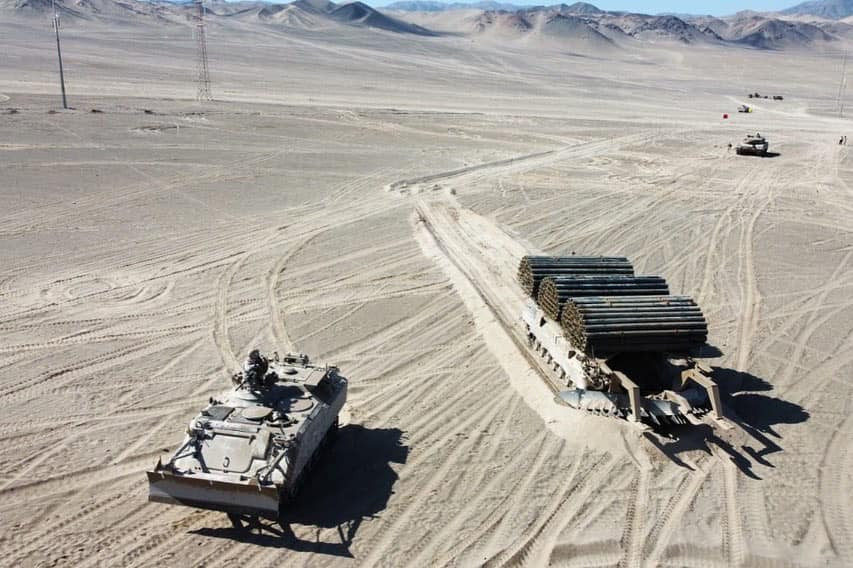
x,y
842,86
59,54
203,78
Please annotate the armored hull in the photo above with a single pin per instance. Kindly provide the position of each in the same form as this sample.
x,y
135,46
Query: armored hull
x,y
248,451
755,145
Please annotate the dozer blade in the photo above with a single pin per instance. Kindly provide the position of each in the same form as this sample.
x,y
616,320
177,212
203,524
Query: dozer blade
x,y
591,401
658,412
204,492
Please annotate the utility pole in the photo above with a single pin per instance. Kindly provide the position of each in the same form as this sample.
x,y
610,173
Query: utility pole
x,y
201,56
842,86
59,54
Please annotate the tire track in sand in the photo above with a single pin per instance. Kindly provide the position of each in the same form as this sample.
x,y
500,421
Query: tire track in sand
x,y
813,322
220,312
734,542
537,549
835,485
425,490
429,549
635,515
282,340
517,163
515,549
668,520
505,510
741,190
751,303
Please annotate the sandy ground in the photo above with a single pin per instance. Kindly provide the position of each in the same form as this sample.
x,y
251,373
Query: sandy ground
x,y
364,197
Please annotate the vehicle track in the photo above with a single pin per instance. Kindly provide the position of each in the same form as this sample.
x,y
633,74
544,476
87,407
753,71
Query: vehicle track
x,y
512,551
276,320
536,551
734,542
633,537
752,296
813,323
428,549
487,535
444,440
835,487
502,303
667,523
41,538
51,381
494,537
87,337
516,164
382,403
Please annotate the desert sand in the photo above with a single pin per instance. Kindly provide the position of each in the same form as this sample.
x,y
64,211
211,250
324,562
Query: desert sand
x,y
364,196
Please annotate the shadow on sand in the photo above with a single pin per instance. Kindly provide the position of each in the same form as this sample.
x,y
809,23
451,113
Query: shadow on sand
x,y
351,482
749,408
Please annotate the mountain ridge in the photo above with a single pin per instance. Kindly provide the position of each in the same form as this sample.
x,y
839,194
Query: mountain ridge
x,y
829,9
577,23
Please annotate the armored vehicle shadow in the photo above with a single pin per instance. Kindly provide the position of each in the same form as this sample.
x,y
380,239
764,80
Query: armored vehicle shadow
x,y
352,481
754,412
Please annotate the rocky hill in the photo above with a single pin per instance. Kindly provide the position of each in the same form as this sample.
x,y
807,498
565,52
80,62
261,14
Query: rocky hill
x,y
829,9
578,23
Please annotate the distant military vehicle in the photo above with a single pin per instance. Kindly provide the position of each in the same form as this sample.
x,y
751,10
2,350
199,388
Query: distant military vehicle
x,y
753,145
778,98
744,108
250,448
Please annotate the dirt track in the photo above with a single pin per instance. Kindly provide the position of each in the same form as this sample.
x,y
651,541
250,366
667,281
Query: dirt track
x,y
144,253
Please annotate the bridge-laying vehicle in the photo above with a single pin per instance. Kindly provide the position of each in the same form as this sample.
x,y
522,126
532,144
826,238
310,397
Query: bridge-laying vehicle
x,y
250,449
620,344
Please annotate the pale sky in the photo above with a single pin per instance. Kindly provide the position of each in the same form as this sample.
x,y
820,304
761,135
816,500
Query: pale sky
x,y
716,8
719,8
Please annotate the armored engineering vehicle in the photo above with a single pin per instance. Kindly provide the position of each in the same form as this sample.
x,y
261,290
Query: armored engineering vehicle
x,y
753,145
248,451
621,344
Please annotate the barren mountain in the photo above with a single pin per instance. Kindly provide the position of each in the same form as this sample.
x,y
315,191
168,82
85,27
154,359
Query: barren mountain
x,y
581,23
432,6
585,21
771,33
661,28
290,15
304,14
25,5
830,9
501,22
360,14
582,8
571,26
91,9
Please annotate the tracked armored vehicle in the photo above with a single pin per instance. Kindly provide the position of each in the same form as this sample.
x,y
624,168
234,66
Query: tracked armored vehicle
x,y
753,145
620,344
249,450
